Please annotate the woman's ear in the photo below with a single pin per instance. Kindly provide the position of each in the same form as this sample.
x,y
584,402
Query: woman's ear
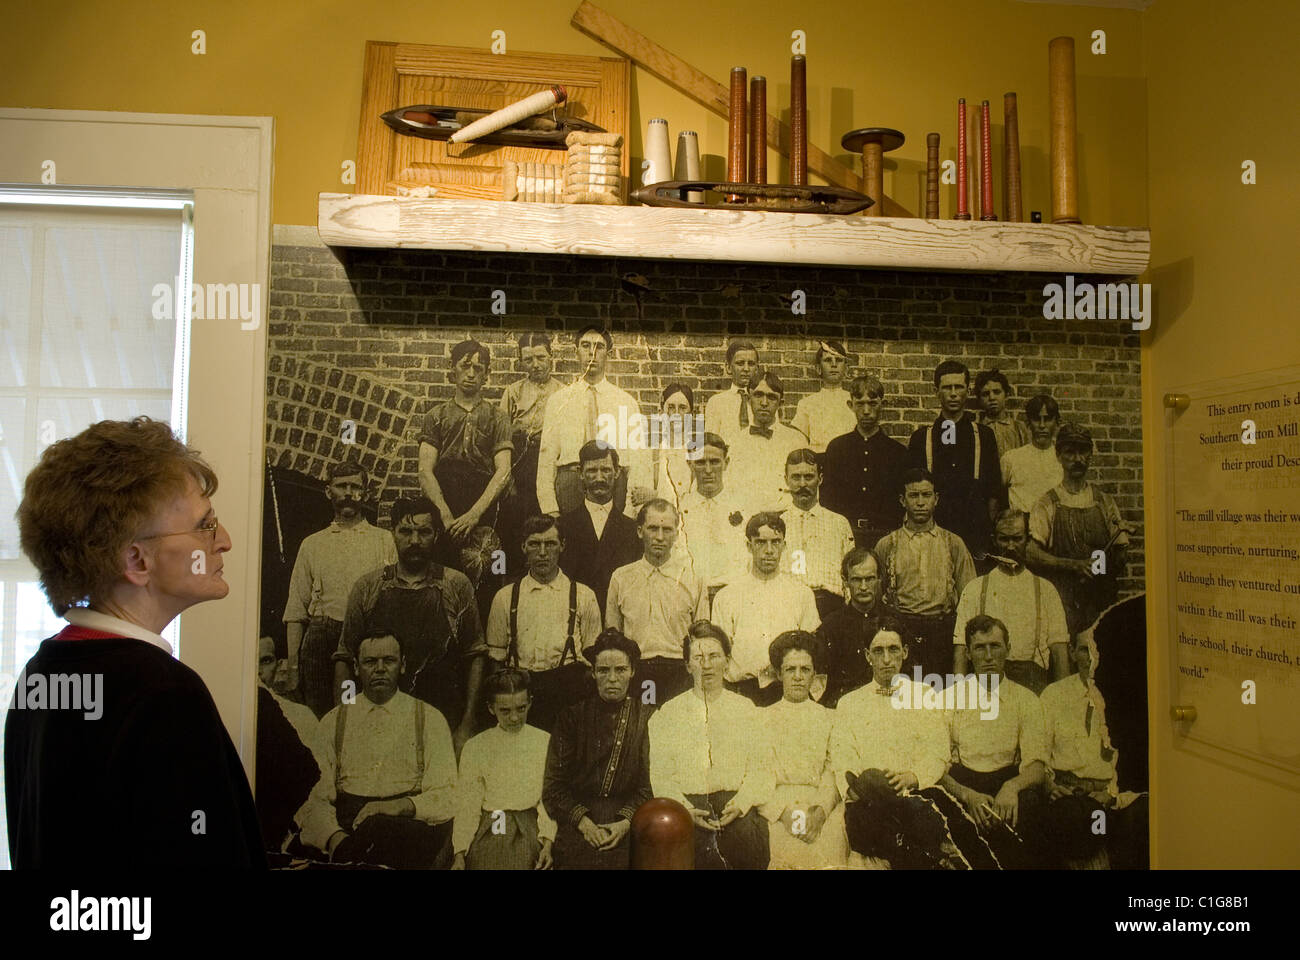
x,y
137,565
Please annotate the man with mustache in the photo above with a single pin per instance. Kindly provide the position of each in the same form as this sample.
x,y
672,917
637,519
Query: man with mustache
x,y
329,562
1026,603
816,538
591,408
432,612
598,765
386,789
1071,523
1029,471
466,448
655,600
598,539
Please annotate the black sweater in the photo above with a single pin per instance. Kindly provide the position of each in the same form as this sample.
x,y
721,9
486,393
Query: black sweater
x,y
125,789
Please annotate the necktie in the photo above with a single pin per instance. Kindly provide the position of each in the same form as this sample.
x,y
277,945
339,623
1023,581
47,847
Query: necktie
x,y
744,408
764,432
591,413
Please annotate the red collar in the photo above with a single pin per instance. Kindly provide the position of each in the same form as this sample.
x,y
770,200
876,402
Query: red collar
x,y
71,632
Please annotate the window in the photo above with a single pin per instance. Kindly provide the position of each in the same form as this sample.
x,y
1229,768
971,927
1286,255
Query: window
x,y
92,327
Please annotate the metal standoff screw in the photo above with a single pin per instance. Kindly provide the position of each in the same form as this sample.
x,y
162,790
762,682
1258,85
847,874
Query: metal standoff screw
x,y
1187,714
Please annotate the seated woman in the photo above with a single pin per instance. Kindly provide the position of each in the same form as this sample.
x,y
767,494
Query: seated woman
x,y
807,818
501,823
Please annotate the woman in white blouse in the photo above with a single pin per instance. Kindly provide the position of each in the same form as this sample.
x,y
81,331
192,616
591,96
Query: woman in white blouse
x,y
806,813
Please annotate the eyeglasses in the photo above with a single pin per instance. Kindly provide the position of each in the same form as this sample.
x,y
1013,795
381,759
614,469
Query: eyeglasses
x,y
210,528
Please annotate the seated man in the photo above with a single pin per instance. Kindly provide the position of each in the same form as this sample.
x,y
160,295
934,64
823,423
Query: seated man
x,y
541,622
756,607
598,766
995,727
888,743
705,753
385,794
500,821
925,568
1081,776
807,818
1025,602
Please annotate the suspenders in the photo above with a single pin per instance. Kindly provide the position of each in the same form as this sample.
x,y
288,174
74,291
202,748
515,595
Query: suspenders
x,y
929,448
570,647
1038,601
340,723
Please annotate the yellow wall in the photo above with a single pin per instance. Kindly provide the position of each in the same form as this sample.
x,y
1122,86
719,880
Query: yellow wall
x,y
899,65
1222,83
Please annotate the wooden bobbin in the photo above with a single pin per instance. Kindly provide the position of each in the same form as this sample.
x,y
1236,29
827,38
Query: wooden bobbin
x,y
874,143
932,176
663,836
758,130
1063,132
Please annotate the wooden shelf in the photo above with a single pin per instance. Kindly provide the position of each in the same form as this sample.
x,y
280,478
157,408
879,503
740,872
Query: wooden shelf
x,y
347,220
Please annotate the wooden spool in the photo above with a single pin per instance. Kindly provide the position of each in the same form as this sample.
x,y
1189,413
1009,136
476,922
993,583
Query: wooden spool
x,y
737,121
1064,147
874,143
799,121
932,176
663,836
758,130
1011,208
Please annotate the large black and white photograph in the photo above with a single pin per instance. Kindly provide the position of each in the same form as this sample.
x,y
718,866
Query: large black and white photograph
x,y
846,564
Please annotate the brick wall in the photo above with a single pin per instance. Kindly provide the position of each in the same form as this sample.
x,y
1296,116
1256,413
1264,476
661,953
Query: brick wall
x,y
364,335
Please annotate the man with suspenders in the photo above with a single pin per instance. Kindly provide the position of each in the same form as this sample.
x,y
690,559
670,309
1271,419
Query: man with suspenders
x,y
962,455
386,787
541,622
1026,603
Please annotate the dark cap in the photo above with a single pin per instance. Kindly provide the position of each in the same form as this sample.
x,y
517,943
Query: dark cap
x,y
1071,434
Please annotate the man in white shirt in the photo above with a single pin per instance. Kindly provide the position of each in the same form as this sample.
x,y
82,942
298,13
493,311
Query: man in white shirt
x,y
329,562
386,791
888,743
816,538
707,752
654,600
730,411
1082,774
758,606
826,414
1030,470
713,524
542,622
999,749
1026,603
755,473
591,408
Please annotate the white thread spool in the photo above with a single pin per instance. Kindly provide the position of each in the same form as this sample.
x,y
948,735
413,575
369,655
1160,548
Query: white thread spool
x,y
656,151
688,162
511,113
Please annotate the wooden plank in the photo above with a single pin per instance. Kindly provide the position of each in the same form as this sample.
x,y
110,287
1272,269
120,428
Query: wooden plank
x,y
374,140
730,235
700,87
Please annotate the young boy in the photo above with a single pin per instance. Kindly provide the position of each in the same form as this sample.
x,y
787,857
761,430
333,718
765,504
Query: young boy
x,y
730,410
501,823
826,414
